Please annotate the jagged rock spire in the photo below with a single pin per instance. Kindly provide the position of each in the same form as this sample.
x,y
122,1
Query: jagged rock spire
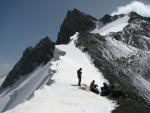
x,y
75,21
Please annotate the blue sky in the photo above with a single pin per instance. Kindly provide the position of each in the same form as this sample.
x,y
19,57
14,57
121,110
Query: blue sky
x,y
25,22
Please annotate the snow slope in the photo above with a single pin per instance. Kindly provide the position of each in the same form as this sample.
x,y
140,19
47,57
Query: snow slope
x,y
115,26
24,89
62,96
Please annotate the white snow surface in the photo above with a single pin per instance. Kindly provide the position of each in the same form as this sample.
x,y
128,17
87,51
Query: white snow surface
x,y
24,89
114,26
61,96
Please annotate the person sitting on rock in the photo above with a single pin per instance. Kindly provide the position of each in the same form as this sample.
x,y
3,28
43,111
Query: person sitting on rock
x,y
93,87
105,90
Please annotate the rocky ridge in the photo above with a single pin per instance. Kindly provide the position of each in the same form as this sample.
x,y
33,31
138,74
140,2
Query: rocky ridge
x,y
31,59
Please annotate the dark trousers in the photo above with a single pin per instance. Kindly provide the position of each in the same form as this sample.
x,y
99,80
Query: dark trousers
x,y
94,90
79,82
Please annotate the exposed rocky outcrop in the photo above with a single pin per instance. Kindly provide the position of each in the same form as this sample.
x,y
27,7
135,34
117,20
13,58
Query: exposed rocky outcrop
x,y
122,64
32,58
122,57
75,21
136,33
108,18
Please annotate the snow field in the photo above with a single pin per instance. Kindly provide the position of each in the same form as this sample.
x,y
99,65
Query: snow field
x,y
114,26
61,96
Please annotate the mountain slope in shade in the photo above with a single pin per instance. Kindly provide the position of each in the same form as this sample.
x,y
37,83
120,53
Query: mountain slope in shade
x,y
123,56
31,59
24,89
25,77
75,21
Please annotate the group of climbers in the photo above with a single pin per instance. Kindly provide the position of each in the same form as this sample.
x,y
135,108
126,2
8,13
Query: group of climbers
x,y
105,89
93,86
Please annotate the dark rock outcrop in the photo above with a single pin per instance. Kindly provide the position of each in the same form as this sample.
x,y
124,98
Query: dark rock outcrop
x,y
75,21
108,18
32,57
130,71
130,68
136,33
111,91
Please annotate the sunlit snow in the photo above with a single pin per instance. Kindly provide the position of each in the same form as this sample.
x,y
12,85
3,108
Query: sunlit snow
x,y
61,96
115,26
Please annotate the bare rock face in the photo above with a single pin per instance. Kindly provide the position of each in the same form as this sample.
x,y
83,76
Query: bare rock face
x,y
124,65
32,57
108,18
75,21
123,55
136,33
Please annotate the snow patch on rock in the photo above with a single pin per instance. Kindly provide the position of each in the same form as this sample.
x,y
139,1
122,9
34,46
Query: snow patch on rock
x,y
115,26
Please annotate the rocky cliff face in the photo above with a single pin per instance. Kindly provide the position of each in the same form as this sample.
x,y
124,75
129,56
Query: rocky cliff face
x,y
75,21
32,58
123,57
136,33
108,18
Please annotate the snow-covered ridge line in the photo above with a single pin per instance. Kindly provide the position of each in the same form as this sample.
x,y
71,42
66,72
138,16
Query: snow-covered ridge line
x,y
61,96
24,88
114,26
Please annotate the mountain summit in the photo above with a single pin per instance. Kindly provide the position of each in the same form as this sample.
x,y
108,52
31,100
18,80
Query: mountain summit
x,y
75,21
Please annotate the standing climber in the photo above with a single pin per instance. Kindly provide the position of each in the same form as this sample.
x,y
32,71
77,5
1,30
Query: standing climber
x,y
79,72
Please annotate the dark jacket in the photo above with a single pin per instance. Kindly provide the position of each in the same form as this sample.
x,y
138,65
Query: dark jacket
x,y
79,73
93,85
